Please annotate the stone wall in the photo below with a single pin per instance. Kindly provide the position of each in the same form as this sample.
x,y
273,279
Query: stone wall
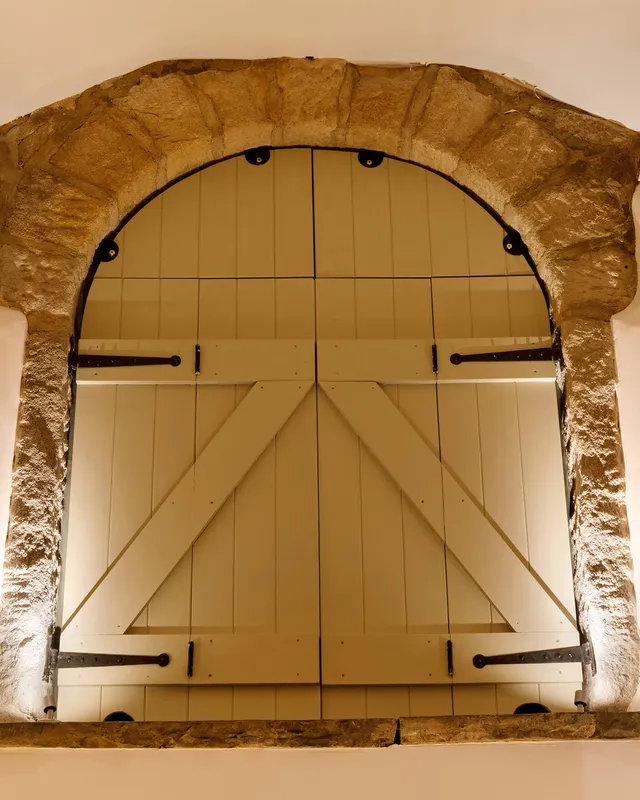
x,y
70,173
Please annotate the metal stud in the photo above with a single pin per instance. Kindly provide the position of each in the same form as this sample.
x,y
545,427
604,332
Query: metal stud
x,y
513,244
258,156
107,250
370,158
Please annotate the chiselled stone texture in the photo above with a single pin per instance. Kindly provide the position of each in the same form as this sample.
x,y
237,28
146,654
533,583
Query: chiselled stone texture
x,y
314,733
71,172
358,733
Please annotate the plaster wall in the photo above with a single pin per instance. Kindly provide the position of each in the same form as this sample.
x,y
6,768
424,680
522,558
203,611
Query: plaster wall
x,y
589,770
585,53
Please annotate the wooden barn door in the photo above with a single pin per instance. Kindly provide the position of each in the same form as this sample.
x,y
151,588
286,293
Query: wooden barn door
x,y
441,492
194,489
335,525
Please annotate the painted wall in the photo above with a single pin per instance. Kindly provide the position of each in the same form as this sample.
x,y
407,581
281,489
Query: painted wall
x,y
585,53
588,770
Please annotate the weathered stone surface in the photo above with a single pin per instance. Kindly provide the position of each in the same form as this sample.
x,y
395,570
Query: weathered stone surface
x,y
315,100
101,153
562,178
594,210
314,733
40,283
512,155
49,210
32,561
503,728
595,283
379,106
455,113
248,103
601,549
168,110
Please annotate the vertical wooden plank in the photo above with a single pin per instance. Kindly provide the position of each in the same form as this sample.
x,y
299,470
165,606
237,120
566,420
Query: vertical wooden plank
x,y
213,552
166,704
511,695
256,245
449,254
469,610
412,309
430,701
140,308
544,488
501,461
132,475
371,220
210,702
102,313
79,704
219,220
293,198
335,308
179,309
173,454
409,220
297,581
484,236
344,702
87,538
295,309
341,577
559,697
174,451
517,265
527,307
471,699
254,702
129,699
333,203
452,308
387,701
255,516
142,235
180,229
298,702
489,307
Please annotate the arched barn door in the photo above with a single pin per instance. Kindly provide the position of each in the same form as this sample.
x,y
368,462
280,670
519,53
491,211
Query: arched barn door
x,y
316,513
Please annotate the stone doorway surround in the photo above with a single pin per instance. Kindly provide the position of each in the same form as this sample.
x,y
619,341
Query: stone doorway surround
x,y
73,172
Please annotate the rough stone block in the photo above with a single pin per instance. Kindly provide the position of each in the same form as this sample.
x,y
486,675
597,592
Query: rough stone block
x,y
247,101
454,115
168,110
49,210
313,100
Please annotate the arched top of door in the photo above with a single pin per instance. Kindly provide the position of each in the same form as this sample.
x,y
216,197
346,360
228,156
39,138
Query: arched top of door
x,y
560,177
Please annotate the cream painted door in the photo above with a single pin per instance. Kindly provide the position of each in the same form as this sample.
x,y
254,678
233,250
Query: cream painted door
x,y
209,480
195,499
441,497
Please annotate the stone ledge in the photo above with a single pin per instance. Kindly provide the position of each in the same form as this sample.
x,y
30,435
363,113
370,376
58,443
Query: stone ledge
x,y
321,733
189,735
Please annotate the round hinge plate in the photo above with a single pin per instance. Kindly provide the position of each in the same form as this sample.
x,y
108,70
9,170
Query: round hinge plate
x,y
258,156
370,158
107,250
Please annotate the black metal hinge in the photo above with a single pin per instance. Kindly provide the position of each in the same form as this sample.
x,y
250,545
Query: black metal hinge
x,y
258,156
190,655
197,360
434,357
100,361
581,653
60,659
370,158
530,354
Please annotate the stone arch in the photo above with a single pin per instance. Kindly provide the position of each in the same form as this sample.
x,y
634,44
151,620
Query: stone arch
x,y
71,172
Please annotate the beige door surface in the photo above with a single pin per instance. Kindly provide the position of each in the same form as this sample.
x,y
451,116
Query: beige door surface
x,y
316,487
